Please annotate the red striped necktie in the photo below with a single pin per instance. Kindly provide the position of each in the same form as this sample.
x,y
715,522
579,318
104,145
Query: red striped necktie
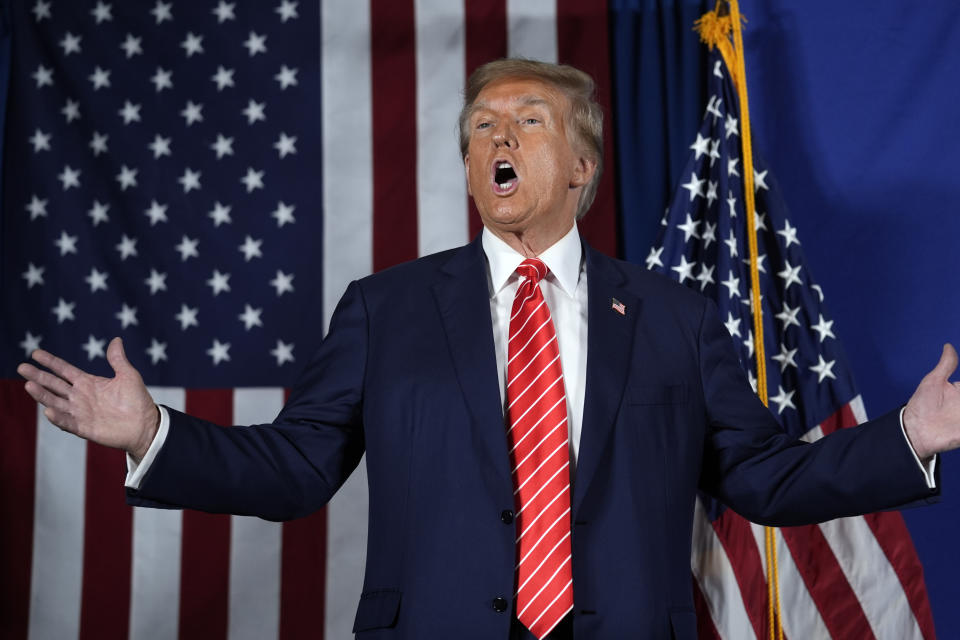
x,y
539,455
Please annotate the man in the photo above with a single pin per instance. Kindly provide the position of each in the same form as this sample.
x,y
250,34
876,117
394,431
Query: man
x,y
537,417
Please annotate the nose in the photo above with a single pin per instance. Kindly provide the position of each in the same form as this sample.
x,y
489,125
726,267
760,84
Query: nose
x,y
503,137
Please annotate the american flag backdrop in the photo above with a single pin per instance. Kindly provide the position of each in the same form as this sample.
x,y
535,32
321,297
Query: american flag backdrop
x,y
847,578
203,179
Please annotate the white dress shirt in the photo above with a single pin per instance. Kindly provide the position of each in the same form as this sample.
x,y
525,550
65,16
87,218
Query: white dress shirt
x,y
565,292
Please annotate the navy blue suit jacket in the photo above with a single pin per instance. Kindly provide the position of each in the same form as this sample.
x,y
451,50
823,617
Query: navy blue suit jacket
x,y
408,375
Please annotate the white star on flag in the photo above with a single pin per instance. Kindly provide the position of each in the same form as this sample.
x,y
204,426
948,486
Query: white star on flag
x,y
287,10
97,280
131,46
282,282
251,317
823,368
157,351
219,352
255,44
187,248
187,317
282,352
33,275
283,214
127,316
224,11
219,282
40,141
94,347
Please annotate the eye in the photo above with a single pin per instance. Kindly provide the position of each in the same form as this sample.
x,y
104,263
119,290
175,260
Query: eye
x,y
530,121
483,125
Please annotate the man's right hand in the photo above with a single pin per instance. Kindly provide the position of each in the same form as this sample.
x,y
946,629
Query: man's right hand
x,y
116,412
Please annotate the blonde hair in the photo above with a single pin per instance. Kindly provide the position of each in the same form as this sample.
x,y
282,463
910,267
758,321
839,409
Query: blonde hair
x,y
584,120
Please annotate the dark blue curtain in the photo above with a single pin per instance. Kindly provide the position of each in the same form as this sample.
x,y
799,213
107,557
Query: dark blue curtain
x,y
659,79
5,48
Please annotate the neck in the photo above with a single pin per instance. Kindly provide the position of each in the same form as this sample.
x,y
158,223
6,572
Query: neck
x,y
530,243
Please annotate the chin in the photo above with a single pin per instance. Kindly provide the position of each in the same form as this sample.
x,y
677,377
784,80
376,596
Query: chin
x,y
504,217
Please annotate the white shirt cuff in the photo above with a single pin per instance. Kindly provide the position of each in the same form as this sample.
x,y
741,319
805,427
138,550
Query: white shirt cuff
x,y
927,469
135,472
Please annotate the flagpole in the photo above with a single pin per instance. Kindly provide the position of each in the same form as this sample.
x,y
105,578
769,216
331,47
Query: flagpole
x,y
715,30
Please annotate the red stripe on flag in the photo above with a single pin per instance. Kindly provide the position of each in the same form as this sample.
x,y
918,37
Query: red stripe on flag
x,y
18,456
303,576
107,547
393,71
842,419
486,40
205,555
737,539
706,629
893,537
828,587
582,41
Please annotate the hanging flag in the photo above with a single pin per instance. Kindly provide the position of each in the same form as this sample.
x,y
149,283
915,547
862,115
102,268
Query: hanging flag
x,y
172,176
848,578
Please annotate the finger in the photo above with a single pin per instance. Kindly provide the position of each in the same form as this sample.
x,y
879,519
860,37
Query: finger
x,y
45,379
952,354
46,397
117,357
947,364
58,365
60,419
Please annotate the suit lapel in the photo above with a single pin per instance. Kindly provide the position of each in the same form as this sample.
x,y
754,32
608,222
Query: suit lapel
x,y
609,348
463,300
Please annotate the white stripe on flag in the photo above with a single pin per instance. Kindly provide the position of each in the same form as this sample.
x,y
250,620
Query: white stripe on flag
x,y
801,618
155,567
254,606
347,149
347,254
715,576
872,578
858,409
441,186
532,29
56,581
813,435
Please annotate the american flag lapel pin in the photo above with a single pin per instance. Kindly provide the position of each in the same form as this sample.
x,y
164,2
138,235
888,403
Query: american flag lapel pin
x,y
618,306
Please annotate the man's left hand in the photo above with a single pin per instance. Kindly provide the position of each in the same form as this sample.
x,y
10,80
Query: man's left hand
x,y
932,416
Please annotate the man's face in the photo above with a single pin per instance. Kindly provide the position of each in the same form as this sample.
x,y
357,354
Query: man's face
x,y
523,173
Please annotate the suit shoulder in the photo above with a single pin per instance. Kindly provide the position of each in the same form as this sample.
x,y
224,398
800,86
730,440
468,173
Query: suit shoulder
x,y
406,275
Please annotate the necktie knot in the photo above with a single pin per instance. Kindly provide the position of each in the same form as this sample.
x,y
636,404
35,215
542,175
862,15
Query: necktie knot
x,y
533,269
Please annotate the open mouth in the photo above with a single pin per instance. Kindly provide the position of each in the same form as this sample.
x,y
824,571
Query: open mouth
x,y
504,177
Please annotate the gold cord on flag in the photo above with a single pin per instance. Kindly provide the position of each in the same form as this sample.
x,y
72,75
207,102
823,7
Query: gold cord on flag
x,y
716,30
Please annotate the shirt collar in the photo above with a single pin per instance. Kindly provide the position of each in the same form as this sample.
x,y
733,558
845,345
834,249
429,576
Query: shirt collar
x,y
563,259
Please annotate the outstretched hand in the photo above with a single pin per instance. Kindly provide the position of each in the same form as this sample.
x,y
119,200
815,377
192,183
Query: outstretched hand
x,y
932,416
116,412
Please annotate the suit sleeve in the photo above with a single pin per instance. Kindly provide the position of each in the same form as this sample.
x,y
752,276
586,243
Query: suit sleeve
x,y
283,470
754,467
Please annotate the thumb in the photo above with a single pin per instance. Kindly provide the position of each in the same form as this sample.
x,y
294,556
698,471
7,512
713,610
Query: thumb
x,y
116,356
947,364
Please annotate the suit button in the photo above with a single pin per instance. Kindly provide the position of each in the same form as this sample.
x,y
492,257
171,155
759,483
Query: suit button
x,y
499,605
506,516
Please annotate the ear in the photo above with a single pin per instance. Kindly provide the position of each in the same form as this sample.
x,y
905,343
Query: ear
x,y
466,173
583,172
